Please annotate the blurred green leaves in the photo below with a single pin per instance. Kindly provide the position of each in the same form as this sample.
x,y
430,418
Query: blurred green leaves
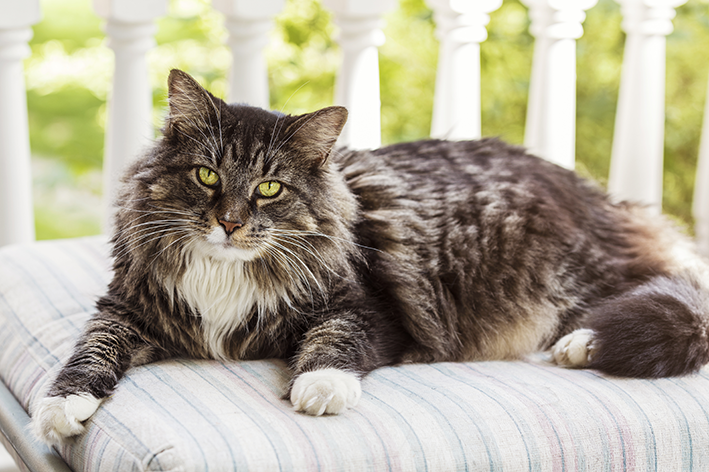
x,y
68,125
68,80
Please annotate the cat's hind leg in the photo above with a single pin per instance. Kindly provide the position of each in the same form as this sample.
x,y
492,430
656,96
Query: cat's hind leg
x,y
575,349
658,329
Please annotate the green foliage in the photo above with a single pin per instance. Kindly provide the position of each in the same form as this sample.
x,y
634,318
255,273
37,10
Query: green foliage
x,y
687,72
68,79
302,58
599,59
67,123
72,22
59,222
407,67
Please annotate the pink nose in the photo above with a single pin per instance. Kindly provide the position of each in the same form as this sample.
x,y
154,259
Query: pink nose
x,y
230,226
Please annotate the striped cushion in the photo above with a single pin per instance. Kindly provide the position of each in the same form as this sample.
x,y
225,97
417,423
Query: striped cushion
x,y
204,415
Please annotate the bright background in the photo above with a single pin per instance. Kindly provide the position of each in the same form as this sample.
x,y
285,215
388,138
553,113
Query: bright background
x,y
68,79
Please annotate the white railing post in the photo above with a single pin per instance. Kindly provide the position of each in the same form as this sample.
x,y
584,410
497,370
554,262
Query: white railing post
x,y
460,28
16,213
636,159
550,129
249,24
130,29
700,207
357,86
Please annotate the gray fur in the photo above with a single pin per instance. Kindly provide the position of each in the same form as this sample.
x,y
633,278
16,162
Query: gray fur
x,y
417,252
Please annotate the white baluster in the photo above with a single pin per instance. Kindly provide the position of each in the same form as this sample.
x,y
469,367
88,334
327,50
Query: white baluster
x,y
249,24
636,160
130,29
16,214
357,86
460,28
550,129
700,208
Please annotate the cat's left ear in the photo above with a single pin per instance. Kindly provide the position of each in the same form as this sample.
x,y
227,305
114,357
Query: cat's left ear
x,y
316,133
191,106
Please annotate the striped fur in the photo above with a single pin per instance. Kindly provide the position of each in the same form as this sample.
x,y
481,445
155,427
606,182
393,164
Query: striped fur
x,y
417,252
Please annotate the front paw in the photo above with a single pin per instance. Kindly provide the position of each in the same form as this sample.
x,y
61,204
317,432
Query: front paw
x,y
329,391
59,418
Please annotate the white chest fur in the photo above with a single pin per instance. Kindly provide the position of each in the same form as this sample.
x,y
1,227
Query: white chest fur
x,y
224,295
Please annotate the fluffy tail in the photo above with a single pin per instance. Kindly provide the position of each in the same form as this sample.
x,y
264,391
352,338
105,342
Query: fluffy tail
x,y
659,329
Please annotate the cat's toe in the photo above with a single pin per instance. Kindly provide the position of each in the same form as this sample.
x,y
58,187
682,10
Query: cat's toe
x,y
575,349
59,418
329,391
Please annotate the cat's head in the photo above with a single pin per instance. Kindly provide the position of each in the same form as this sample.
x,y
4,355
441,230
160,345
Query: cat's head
x,y
236,183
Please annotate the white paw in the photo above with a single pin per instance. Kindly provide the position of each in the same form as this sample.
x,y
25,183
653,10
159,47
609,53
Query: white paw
x,y
329,391
58,418
575,349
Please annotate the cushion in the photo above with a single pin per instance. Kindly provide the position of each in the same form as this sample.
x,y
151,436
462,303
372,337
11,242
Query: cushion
x,y
197,415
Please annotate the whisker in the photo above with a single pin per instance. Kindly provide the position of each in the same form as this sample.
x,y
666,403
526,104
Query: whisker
x,y
175,211
314,252
288,266
219,123
270,143
189,234
161,222
160,234
152,213
124,242
323,235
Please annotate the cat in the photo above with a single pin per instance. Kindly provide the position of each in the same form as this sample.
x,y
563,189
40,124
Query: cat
x,y
246,234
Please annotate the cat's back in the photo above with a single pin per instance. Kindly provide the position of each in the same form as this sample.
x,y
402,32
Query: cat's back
x,y
464,178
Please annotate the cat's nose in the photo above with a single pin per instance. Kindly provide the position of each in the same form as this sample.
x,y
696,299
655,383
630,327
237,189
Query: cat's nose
x,y
230,226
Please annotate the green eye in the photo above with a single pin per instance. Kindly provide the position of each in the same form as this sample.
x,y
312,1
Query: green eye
x,y
207,176
269,189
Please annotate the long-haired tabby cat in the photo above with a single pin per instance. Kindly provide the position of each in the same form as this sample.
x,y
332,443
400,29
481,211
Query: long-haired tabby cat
x,y
242,234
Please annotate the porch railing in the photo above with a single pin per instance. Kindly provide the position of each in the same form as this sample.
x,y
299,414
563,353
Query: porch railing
x,y
637,154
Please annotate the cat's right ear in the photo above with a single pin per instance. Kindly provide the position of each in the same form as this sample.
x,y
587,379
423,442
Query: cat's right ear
x,y
191,107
